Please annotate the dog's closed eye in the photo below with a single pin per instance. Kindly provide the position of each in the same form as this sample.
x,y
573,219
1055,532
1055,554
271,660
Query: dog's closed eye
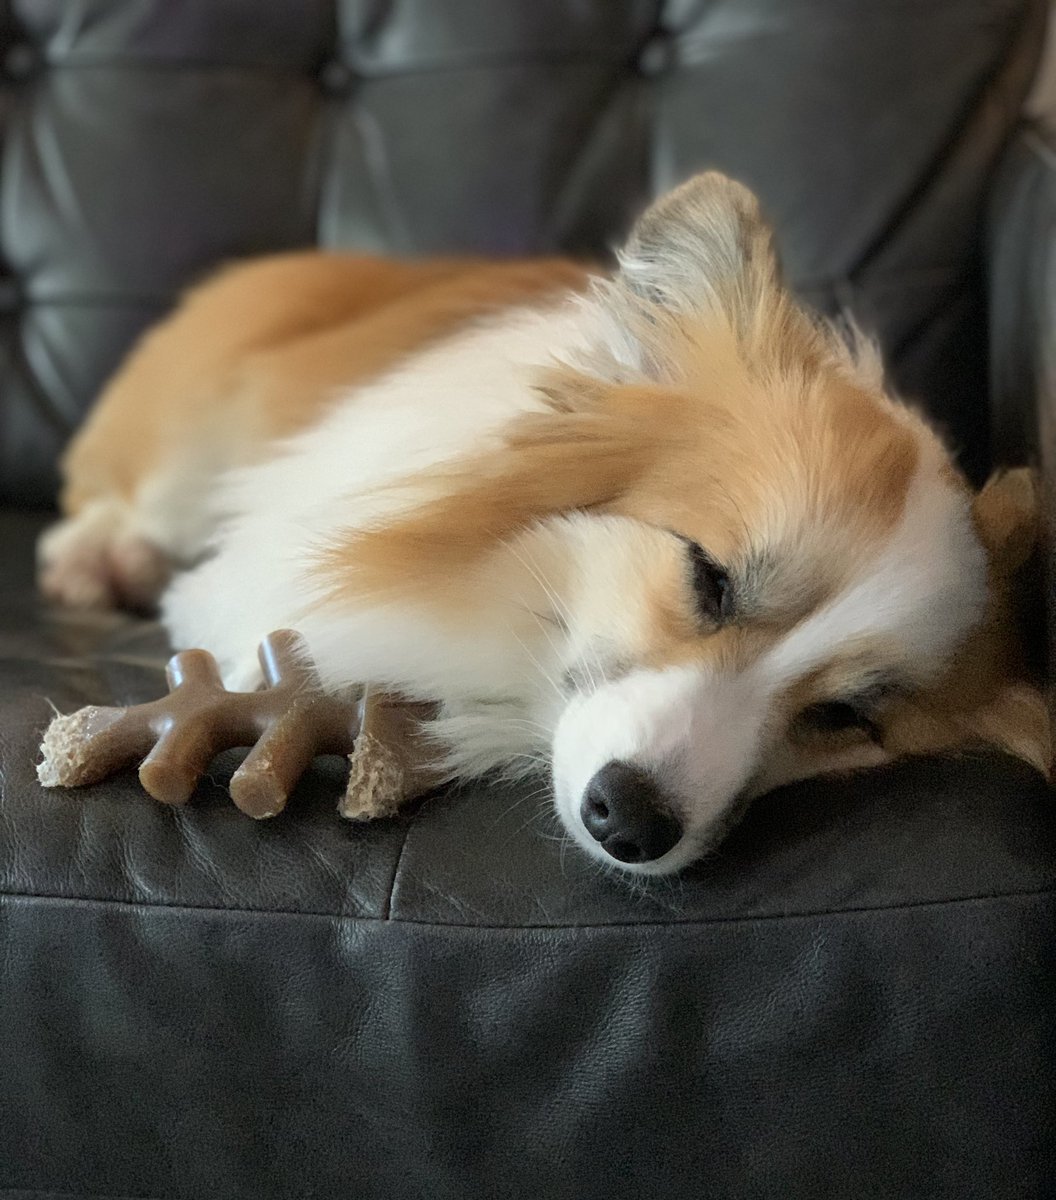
x,y
711,584
837,717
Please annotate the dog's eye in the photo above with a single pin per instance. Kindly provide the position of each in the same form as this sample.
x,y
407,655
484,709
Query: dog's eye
x,y
837,716
710,583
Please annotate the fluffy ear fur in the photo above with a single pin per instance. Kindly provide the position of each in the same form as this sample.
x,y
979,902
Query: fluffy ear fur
x,y
702,246
1016,717
1017,720
702,257
1007,516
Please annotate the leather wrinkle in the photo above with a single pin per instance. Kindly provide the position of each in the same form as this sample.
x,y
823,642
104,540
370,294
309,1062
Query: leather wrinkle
x,y
387,910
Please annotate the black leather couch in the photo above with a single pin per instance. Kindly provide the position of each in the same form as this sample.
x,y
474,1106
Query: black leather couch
x,y
856,997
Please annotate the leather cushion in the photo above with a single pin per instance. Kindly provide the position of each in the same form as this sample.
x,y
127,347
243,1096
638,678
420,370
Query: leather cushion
x,y
855,996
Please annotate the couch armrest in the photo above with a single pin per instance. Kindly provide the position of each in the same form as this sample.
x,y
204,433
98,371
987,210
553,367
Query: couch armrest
x,y
1021,261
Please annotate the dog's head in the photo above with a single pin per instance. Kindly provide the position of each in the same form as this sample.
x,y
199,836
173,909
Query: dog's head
x,y
753,565
806,583
702,678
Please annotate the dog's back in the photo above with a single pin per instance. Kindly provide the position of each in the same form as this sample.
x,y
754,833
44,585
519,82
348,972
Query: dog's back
x,y
254,355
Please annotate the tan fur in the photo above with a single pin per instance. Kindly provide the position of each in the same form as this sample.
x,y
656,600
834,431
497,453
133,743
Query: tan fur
x,y
257,352
644,452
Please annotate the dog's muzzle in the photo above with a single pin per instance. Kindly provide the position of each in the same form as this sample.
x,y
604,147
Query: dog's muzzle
x,y
624,813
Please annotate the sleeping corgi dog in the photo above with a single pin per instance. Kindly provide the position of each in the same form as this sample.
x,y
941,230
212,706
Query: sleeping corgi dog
x,y
661,533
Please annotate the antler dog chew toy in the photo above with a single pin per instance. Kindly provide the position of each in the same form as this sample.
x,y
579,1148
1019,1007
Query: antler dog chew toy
x,y
287,722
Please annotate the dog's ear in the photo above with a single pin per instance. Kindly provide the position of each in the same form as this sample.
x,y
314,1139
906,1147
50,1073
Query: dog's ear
x,y
704,245
1007,517
1012,716
701,258
1015,719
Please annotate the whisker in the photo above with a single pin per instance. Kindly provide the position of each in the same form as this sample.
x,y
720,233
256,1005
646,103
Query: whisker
x,y
523,723
524,824
532,567
538,665
589,657
592,646
543,623
515,805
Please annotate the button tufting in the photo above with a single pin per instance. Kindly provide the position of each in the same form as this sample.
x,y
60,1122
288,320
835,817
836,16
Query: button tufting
x,y
336,78
21,60
657,55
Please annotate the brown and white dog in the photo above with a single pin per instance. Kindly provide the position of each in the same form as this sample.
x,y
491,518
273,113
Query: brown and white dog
x,y
661,534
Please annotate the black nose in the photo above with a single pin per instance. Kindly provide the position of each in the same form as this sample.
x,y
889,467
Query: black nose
x,y
622,810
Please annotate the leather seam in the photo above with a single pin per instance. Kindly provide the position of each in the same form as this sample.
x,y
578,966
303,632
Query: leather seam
x,y
764,918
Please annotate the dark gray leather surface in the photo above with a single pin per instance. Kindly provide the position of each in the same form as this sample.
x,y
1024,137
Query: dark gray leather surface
x,y
158,1056
855,997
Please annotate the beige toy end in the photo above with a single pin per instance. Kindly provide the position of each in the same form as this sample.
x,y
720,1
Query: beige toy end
x,y
376,781
391,763
69,754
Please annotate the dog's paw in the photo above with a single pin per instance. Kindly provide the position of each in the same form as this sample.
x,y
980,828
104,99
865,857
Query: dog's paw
x,y
93,560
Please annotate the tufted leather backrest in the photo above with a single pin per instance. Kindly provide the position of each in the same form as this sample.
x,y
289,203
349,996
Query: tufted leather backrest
x,y
144,141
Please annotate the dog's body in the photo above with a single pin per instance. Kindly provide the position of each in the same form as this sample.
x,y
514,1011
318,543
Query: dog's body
x,y
663,532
